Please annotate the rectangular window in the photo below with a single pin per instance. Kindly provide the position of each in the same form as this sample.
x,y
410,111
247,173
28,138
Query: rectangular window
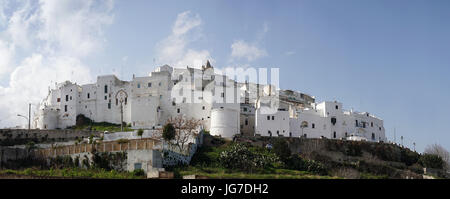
x,y
203,107
138,85
88,96
67,98
160,97
246,122
109,105
159,84
58,100
268,117
273,117
65,108
106,97
149,84
245,109
313,125
106,88
178,110
137,166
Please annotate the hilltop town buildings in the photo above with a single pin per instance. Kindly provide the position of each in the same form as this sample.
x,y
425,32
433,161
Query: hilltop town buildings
x,y
225,106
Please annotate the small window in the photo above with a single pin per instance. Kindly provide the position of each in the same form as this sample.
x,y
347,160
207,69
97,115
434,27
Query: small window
x,y
70,97
106,88
106,97
245,109
203,107
160,96
137,166
313,125
109,105
356,124
270,133
149,84
67,98
65,108
222,94
58,100
371,124
373,136
159,84
346,134
268,117
337,107
138,85
379,128
246,121
333,121
178,110
88,95
273,117
334,134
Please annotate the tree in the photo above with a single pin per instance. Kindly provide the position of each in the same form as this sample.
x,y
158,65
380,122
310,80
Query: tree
x,y
282,150
140,132
431,161
185,129
440,151
168,132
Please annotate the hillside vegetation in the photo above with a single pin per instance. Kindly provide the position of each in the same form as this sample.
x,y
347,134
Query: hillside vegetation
x,y
248,157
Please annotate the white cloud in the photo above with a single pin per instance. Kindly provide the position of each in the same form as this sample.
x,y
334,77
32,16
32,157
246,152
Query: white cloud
x,y
74,27
6,57
241,49
174,49
54,37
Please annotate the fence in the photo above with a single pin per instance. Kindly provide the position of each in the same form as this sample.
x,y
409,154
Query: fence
x,y
140,144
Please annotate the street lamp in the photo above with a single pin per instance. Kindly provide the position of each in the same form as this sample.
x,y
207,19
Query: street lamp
x,y
26,119
29,116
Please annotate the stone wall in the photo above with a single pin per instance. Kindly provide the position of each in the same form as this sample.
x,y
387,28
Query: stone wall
x,y
10,137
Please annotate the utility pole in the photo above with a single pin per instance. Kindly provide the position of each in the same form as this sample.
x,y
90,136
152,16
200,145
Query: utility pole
x,y
29,116
395,138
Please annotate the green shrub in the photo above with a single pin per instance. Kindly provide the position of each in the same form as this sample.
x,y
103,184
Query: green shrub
x,y
295,162
169,132
281,149
140,132
240,157
139,172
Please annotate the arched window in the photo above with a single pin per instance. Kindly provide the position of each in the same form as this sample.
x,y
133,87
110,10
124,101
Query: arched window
x,y
304,124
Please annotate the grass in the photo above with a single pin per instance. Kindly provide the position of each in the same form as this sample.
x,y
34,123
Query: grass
x,y
220,173
73,173
102,126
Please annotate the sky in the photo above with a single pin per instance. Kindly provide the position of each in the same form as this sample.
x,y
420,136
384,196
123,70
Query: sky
x,y
389,58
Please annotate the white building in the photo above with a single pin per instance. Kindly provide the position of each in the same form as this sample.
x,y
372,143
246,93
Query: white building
x,y
224,106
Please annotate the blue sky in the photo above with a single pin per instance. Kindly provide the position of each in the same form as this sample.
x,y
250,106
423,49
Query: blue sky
x,y
389,58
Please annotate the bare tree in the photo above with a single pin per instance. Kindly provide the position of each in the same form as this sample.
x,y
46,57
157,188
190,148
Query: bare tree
x,y
440,151
185,129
